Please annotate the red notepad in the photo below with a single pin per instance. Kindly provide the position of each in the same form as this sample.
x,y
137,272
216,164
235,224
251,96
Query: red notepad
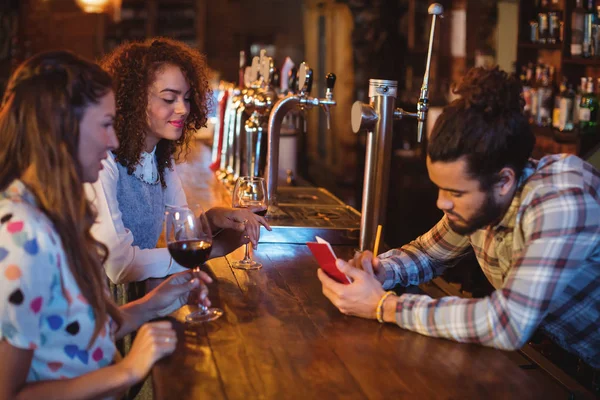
x,y
322,251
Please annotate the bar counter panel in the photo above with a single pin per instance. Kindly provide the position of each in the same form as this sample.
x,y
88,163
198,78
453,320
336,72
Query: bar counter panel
x,y
280,338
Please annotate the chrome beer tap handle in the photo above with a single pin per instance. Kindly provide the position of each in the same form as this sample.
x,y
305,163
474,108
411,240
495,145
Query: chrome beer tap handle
x,y
305,79
330,83
328,100
436,10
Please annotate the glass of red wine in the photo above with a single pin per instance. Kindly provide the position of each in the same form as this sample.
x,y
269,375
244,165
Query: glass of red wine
x,y
248,192
189,240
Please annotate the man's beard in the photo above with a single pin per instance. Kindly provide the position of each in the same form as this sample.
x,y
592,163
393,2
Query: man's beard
x,y
488,213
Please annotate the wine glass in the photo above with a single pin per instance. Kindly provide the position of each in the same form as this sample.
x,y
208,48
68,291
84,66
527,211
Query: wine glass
x,y
189,240
250,191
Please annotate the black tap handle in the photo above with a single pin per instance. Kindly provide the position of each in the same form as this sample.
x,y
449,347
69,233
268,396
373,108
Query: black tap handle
x,y
293,80
330,80
309,80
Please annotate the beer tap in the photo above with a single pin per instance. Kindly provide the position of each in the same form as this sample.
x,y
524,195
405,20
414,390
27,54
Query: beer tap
x,y
302,101
244,107
377,118
231,154
259,106
228,118
219,127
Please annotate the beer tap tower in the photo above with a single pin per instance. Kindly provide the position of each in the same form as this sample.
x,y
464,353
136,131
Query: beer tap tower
x,y
259,105
377,118
235,117
301,101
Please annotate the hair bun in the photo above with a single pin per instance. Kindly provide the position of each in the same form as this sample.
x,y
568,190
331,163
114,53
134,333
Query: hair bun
x,y
491,91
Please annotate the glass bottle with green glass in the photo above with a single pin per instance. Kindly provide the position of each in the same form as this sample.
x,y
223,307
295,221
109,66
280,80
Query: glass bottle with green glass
x,y
588,110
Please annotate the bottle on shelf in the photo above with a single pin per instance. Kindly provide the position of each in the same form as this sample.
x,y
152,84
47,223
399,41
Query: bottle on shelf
x,y
544,95
596,33
543,36
589,30
588,110
556,112
577,29
577,101
567,102
533,93
554,28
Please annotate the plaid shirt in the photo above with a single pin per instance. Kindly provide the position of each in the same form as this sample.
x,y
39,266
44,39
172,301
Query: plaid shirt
x,y
543,258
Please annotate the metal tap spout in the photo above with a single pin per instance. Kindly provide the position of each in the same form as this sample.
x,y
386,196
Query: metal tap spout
x,y
279,110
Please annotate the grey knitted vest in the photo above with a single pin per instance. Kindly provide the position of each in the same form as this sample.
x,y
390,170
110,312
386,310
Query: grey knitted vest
x,y
142,208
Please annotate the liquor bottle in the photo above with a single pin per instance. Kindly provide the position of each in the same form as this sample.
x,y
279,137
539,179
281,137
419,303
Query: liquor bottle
x,y
567,100
577,27
588,110
543,27
588,32
553,28
556,112
535,105
544,95
578,95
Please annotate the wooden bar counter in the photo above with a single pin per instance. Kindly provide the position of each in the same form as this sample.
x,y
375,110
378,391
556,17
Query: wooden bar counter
x,y
280,338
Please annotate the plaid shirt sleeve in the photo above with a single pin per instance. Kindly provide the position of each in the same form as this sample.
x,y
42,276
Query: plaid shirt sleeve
x,y
424,258
560,230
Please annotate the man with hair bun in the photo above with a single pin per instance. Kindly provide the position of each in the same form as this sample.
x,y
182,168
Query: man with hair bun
x,y
534,226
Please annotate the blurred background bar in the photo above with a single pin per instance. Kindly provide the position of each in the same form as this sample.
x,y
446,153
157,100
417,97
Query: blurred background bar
x,y
553,46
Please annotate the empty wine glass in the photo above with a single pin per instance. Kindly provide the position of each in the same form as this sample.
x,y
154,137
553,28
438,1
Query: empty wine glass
x,y
250,192
189,240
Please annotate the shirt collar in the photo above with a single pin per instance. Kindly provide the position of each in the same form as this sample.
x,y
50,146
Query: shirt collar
x,y
146,169
508,220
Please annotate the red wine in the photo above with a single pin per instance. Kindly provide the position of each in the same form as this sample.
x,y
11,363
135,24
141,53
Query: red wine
x,y
190,253
262,213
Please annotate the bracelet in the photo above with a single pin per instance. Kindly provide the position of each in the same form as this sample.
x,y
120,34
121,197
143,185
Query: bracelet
x,y
379,312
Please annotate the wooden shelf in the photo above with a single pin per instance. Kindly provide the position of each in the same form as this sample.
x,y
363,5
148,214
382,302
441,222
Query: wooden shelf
x,y
590,62
541,46
549,132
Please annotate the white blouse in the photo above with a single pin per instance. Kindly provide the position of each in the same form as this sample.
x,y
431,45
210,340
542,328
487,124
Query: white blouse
x,y
128,263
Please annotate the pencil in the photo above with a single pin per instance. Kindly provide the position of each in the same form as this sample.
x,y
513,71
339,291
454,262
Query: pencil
x,y
377,238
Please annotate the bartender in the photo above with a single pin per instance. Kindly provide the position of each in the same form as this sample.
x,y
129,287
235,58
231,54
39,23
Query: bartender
x,y
534,226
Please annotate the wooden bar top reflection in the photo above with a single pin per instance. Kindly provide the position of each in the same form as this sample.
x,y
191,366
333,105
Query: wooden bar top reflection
x,y
280,338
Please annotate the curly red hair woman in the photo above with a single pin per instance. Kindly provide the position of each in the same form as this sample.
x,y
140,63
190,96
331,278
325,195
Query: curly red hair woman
x,y
134,67
162,97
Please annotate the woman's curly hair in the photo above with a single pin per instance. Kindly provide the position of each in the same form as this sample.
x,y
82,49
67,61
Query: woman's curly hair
x,y
485,124
133,67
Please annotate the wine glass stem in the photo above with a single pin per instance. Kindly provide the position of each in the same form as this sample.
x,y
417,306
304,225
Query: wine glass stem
x,y
203,308
247,253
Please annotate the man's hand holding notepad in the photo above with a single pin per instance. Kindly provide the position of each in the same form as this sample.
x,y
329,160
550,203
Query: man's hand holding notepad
x,y
322,251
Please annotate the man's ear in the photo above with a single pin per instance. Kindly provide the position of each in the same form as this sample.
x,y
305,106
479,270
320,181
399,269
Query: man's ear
x,y
507,180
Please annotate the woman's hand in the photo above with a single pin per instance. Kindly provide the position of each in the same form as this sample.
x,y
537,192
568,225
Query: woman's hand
x,y
240,220
153,341
186,287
